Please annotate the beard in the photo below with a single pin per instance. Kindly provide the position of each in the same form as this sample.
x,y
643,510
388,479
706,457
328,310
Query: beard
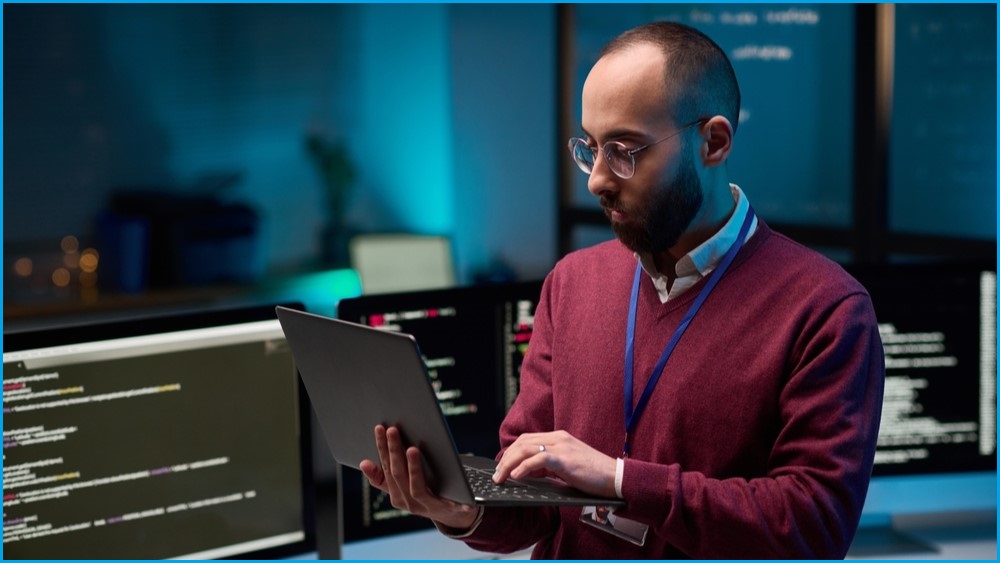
x,y
669,210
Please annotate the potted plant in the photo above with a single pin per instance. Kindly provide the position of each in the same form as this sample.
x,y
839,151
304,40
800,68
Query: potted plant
x,y
337,173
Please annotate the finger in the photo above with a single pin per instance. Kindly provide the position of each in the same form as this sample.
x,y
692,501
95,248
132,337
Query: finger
x,y
398,468
390,484
397,454
382,446
419,489
526,446
535,462
373,472
502,470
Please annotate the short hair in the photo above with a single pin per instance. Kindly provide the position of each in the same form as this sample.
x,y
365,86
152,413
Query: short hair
x,y
699,76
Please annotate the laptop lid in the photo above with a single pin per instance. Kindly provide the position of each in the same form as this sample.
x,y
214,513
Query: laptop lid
x,y
358,377
352,374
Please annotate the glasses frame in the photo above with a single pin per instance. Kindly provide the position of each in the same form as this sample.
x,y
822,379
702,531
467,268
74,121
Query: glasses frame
x,y
589,168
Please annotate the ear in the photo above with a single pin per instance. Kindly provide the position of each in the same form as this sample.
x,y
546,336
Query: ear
x,y
717,136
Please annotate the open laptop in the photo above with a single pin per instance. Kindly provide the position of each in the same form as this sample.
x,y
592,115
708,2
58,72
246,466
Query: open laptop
x,y
357,377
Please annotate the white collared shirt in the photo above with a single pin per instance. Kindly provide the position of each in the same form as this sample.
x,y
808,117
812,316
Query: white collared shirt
x,y
705,257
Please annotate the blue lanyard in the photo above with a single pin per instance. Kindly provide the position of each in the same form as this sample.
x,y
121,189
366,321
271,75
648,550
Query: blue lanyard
x,y
632,415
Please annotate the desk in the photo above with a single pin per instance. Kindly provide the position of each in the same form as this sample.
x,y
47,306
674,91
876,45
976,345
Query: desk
x,y
956,536
959,535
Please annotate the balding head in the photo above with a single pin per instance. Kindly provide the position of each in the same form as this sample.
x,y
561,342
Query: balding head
x,y
698,79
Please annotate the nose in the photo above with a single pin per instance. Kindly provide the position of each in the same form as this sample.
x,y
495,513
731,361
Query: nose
x,y
602,180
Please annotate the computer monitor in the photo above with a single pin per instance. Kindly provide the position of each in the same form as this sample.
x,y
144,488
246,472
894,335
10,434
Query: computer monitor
x,y
473,339
937,444
393,263
171,436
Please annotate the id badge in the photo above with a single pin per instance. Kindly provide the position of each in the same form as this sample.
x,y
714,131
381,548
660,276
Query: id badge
x,y
602,518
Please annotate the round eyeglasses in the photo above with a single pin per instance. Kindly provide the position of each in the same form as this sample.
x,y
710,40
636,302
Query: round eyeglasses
x,y
620,159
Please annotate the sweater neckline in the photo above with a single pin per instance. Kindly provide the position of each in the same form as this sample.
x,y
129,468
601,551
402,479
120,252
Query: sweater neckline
x,y
650,299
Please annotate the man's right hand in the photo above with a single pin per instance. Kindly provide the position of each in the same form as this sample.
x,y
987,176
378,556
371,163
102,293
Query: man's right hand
x,y
400,472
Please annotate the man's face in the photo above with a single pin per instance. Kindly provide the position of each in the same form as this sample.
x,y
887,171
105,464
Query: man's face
x,y
625,100
660,213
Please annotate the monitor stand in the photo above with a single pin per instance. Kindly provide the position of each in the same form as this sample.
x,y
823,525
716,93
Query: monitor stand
x,y
876,536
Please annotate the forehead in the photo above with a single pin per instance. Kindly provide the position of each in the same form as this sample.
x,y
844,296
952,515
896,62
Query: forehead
x,y
626,90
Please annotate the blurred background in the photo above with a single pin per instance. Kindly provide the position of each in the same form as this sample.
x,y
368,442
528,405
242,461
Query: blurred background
x,y
164,153
172,157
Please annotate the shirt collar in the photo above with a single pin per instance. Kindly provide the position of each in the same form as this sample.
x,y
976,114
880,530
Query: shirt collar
x,y
706,256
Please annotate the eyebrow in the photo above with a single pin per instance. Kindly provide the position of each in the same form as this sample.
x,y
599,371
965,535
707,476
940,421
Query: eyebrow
x,y
616,134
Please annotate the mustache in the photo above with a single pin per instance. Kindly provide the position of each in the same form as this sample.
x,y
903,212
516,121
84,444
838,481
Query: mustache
x,y
611,204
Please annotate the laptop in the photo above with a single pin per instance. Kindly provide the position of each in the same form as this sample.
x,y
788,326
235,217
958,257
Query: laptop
x,y
357,377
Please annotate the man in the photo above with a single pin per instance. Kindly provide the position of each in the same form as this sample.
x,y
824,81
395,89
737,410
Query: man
x,y
722,379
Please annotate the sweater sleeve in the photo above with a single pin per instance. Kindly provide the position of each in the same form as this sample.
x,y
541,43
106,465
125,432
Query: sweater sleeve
x,y
809,503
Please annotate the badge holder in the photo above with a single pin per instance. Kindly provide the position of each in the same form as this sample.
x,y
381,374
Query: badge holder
x,y
602,518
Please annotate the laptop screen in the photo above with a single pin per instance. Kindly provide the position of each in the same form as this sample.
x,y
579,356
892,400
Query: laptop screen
x,y
152,438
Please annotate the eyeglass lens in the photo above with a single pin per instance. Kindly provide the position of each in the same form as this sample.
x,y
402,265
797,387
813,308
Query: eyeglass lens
x,y
582,154
616,154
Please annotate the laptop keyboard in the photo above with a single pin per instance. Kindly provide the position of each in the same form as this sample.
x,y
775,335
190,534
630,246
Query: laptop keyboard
x,y
482,485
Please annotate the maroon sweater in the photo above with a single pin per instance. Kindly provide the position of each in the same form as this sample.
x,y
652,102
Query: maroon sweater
x,y
758,440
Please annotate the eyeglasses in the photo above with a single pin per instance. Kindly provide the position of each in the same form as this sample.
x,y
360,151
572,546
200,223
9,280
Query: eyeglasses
x,y
620,159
